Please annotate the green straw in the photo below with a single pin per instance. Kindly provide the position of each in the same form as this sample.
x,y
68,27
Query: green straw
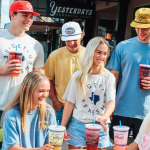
x,y
16,47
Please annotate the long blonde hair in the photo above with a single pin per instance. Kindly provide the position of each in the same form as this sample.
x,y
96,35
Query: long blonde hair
x,y
23,98
87,62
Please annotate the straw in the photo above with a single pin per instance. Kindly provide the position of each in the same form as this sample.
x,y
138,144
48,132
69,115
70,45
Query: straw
x,y
147,62
16,47
57,123
120,123
94,122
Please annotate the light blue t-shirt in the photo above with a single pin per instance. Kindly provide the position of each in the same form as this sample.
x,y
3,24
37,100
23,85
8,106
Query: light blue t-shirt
x,y
131,101
34,137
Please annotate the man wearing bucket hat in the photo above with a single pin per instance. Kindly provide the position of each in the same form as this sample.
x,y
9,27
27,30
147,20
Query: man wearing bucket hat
x,y
132,103
62,63
15,39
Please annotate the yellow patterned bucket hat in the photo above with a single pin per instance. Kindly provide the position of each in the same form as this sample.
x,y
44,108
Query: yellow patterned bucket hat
x,y
142,18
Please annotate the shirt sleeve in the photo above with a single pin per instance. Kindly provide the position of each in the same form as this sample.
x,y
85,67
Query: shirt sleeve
x,y
52,121
115,61
10,132
143,127
70,93
39,62
111,88
50,67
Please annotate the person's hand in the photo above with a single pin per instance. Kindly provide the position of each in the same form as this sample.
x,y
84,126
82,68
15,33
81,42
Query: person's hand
x,y
114,147
46,147
10,66
146,83
66,136
102,120
57,105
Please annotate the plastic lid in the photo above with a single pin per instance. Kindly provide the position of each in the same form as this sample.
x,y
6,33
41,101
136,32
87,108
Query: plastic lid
x,y
54,127
144,65
122,128
13,51
90,126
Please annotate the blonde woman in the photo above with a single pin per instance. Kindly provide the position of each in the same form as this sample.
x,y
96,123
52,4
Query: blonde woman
x,y
142,141
26,118
90,94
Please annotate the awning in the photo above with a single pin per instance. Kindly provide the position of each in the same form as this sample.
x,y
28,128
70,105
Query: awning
x,y
41,26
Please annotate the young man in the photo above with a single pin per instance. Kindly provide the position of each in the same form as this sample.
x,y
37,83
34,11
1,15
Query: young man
x,y
62,63
21,14
132,103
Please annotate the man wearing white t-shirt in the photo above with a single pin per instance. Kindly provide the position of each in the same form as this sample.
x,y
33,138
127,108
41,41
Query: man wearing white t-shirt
x,y
21,15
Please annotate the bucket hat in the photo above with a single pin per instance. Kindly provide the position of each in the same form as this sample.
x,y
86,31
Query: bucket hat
x,y
142,18
71,31
22,6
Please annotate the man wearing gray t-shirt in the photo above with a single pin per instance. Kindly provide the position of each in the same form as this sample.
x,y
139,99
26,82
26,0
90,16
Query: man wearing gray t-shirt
x,y
21,15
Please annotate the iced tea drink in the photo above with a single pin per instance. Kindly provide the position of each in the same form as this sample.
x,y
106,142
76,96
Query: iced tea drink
x,y
144,72
92,136
120,137
56,136
12,56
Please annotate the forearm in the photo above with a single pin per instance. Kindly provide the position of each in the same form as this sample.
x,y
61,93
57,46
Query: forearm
x,y
42,70
133,146
52,92
109,108
67,112
1,71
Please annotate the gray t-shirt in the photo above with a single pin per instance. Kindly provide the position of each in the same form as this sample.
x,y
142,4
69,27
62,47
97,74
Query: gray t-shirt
x,y
32,57
99,90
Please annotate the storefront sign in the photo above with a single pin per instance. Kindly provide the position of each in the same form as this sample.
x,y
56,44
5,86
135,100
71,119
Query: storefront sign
x,y
58,9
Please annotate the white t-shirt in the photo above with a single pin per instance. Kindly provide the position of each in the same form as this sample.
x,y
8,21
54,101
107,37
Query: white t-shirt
x,y
143,138
99,90
33,56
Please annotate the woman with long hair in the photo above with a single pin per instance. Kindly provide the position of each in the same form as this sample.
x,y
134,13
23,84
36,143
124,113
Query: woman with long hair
x,y
26,119
90,94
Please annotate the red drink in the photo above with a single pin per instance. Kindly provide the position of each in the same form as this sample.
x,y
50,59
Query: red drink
x,y
144,72
92,136
12,56
91,147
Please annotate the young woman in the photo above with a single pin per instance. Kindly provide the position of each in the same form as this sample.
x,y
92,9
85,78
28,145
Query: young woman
x,y
26,119
142,141
90,94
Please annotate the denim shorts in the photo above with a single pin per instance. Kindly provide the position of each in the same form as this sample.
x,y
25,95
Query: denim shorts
x,y
78,135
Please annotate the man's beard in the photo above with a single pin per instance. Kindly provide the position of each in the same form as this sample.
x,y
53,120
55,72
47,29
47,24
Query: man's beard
x,y
146,38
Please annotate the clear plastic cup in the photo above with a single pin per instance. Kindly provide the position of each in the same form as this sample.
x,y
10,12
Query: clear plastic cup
x,y
56,136
120,137
15,55
92,136
144,72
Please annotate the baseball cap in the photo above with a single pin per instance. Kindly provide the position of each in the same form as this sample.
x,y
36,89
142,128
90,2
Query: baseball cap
x,y
22,6
142,18
71,31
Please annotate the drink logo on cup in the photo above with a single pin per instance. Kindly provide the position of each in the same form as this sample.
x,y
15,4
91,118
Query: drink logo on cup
x,y
70,31
120,138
